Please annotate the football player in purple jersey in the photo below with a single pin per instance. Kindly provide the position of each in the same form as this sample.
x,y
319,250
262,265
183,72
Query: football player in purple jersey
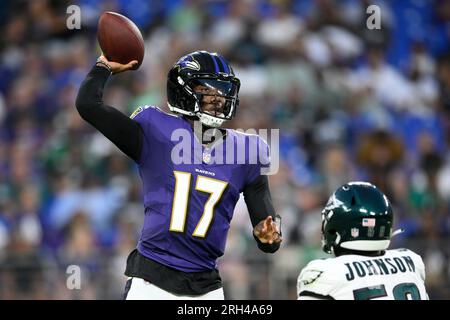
x,y
189,204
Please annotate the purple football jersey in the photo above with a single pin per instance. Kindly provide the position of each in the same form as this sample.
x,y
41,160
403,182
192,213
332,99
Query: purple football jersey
x,y
189,205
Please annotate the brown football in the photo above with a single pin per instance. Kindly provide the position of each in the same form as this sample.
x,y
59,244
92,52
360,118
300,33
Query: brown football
x,y
120,39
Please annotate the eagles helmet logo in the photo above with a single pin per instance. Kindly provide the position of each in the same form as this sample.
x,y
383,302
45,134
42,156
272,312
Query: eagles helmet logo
x,y
334,203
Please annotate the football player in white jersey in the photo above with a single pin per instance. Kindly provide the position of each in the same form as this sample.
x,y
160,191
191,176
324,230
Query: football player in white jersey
x,y
356,229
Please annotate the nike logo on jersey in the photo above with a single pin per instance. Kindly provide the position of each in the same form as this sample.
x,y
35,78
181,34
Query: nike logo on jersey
x,y
379,266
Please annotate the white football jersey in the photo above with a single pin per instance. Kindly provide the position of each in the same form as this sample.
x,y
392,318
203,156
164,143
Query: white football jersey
x,y
397,275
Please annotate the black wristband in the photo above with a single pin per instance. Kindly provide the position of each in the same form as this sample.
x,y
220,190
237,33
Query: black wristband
x,y
103,64
265,247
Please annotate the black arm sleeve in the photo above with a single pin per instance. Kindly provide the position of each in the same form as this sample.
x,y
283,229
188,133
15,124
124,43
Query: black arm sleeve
x,y
124,132
259,205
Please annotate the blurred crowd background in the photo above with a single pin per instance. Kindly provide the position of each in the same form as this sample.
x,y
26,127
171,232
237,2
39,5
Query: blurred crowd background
x,y
351,104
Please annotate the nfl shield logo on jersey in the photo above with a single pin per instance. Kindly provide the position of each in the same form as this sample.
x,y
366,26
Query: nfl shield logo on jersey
x,y
354,232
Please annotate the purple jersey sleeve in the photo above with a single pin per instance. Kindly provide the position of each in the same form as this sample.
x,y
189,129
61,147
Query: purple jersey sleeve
x,y
259,160
149,118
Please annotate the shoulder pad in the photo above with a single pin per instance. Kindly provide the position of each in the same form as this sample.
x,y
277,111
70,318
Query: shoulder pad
x,y
319,277
418,261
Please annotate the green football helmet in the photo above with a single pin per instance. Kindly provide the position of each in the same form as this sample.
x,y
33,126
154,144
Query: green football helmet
x,y
357,216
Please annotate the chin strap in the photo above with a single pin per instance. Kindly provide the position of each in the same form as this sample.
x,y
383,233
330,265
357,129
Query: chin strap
x,y
397,232
209,121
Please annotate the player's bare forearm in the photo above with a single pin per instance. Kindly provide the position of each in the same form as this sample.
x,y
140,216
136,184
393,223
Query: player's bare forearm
x,y
124,132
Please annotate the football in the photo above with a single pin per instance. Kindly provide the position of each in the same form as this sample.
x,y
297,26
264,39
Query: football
x,y
120,39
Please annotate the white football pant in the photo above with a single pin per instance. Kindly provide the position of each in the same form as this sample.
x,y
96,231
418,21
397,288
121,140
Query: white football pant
x,y
141,289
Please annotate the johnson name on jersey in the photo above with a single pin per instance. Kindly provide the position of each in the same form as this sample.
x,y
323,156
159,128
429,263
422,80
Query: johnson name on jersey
x,y
397,275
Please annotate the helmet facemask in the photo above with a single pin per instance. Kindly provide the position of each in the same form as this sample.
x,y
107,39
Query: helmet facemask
x,y
330,237
216,100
